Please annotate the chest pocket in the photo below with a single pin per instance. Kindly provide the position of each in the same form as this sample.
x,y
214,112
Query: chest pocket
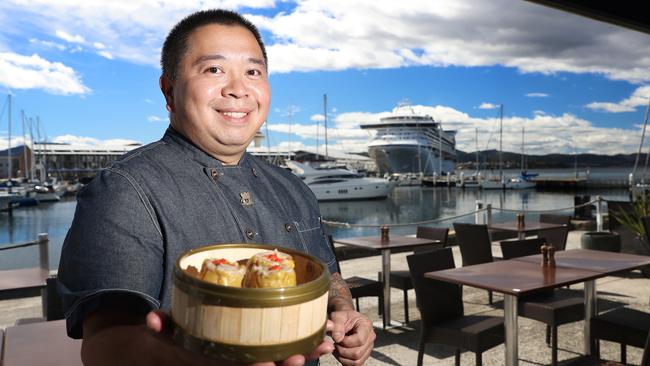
x,y
313,240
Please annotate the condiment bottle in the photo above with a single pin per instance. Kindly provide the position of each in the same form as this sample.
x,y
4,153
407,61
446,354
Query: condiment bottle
x,y
544,250
551,256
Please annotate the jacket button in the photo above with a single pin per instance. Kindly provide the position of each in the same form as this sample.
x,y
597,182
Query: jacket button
x,y
287,227
254,172
214,174
250,234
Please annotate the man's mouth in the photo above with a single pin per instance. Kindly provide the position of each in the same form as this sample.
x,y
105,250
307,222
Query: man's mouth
x,y
234,114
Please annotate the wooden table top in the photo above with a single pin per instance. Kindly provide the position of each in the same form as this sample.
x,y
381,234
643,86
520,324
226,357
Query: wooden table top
x,y
594,260
395,241
513,277
529,226
21,279
42,344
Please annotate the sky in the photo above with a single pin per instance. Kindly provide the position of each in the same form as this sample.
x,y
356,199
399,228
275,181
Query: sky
x,y
88,71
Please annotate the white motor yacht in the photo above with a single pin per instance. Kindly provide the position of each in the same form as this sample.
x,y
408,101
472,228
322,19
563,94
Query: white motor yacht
x,y
340,184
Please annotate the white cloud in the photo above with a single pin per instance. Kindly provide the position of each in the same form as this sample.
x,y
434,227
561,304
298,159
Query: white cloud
x,y
317,118
47,44
91,141
537,95
99,45
640,97
540,132
68,37
33,72
344,34
157,119
105,54
488,106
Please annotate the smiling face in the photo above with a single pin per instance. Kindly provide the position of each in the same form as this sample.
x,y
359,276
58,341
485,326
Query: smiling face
x,y
221,93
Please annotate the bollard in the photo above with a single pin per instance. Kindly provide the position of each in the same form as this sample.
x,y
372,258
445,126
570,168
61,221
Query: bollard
x,y
478,216
599,213
43,251
488,214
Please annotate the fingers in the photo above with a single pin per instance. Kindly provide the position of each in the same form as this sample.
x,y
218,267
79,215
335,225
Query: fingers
x,y
322,349
339,319
155,321
353,357
361,333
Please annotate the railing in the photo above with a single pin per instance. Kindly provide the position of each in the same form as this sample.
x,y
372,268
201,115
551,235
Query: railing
x,y
481,216
43,249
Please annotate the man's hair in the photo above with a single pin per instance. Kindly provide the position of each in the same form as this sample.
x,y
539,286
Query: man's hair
x,y
176,46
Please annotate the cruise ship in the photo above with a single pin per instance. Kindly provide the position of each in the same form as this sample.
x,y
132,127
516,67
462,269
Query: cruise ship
x,y
408,142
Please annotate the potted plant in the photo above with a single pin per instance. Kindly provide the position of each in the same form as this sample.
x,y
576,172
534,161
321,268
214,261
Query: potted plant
x,y
632,220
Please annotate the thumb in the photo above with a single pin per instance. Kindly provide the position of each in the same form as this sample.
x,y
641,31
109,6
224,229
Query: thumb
x,y
159,321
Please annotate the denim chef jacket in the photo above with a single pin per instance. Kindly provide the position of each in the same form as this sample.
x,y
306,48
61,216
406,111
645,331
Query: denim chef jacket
x,y
137,216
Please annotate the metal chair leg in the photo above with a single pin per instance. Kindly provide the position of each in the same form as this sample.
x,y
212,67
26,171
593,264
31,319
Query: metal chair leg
x,y
406,307
548,335
357,301
623,354
479,359
457,357
554,346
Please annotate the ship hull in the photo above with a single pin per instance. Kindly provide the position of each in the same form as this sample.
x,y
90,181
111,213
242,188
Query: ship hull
x,y
403,159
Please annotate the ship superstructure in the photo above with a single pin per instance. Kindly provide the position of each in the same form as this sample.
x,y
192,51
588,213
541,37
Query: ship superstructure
x,y
406,142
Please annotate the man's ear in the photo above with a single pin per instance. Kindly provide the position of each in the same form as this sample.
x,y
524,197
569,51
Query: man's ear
x,y
167,88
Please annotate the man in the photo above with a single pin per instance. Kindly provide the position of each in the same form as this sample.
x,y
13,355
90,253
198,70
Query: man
x,y
196,186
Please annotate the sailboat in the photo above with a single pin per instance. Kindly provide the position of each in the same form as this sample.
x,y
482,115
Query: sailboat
x,y
523,181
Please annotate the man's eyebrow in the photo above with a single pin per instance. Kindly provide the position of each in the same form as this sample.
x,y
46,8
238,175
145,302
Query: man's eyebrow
x,y
207,58
204,58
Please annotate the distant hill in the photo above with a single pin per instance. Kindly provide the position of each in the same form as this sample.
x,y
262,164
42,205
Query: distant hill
x,y
489,159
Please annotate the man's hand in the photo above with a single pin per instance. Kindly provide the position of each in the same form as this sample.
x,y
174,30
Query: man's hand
x,y
353,336
112,338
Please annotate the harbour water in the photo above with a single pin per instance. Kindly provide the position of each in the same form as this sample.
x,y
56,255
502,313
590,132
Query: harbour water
x,y
404,205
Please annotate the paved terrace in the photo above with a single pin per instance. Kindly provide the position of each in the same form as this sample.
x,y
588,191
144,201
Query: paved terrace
x,y
398,346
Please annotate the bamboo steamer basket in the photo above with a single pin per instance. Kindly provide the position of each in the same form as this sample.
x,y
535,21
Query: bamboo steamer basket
x,y
249,324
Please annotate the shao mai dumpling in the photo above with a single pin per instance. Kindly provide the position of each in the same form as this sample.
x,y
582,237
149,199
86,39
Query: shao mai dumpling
x,y
270,269
222,272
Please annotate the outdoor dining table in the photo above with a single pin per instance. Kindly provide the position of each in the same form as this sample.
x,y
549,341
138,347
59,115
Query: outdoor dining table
x,y
42,344
518,276
522,230
385,246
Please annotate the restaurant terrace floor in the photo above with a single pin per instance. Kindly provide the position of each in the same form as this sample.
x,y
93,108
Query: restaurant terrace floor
x,y
398,345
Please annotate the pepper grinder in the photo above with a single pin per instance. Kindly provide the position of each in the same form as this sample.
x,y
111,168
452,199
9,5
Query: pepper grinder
x,y
384,233
551,256
520,220
544,250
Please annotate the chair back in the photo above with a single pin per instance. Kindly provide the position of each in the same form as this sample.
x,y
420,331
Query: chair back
x,y
433,233
520,248
555,236
53,302
555,219
437,300
474,243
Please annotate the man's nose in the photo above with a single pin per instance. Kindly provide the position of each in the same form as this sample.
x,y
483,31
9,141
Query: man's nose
x,y
235,88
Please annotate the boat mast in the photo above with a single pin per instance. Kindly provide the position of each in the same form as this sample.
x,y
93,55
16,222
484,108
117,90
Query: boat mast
x,y
522,149
22,119
645,123
477,166
325,121
9,167
440,147
501,142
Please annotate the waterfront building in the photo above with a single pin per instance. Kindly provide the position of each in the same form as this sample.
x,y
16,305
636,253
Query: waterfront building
x,y
60,160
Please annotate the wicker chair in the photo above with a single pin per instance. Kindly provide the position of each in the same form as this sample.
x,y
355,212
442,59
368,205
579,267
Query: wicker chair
x,y
402,279
441,310
556,236
362,287
475,245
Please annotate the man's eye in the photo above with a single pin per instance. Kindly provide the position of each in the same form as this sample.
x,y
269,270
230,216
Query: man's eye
x,y
254,72
213,70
